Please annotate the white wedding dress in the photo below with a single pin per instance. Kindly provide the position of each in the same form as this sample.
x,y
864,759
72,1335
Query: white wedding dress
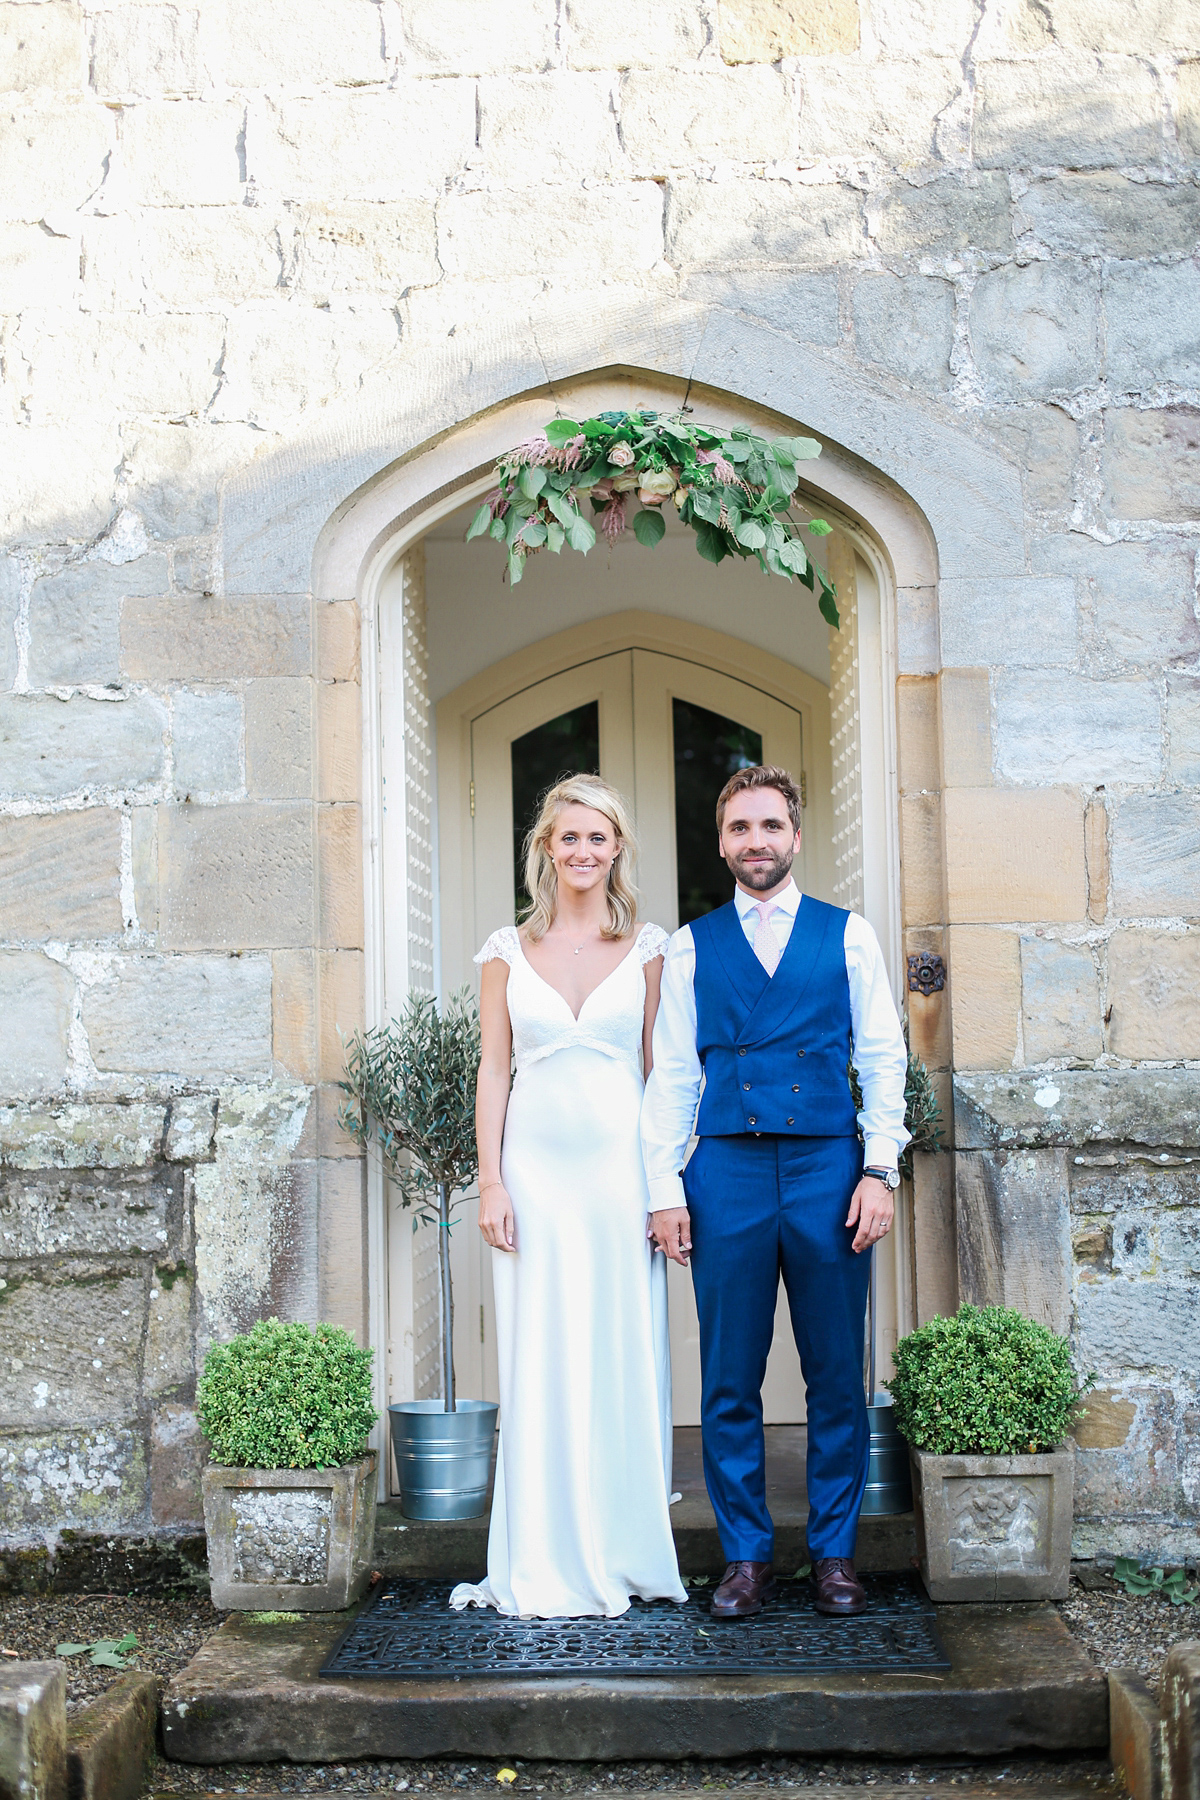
x,y
580,1518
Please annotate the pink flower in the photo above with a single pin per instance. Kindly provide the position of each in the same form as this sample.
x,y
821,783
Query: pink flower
x,y
649,499
612,520
621,455
721,466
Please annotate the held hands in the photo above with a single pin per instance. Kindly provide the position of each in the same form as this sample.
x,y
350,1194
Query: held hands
x,y
671,1231
496,1219
871,1209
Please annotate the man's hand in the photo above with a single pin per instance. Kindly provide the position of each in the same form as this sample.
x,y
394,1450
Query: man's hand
x,y
871,1209
671,1230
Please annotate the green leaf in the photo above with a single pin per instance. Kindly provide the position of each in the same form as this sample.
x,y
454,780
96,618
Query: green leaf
x,y
792,556
649,527
498,529
70,1649
555,536
534,532
751,534
531,481
706,505
480,523
580,535
561,431
828,606
819,527
737,451
804,449
781,450
803,1572
710,542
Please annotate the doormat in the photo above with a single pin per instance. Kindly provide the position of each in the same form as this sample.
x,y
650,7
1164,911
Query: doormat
x,y
407,1632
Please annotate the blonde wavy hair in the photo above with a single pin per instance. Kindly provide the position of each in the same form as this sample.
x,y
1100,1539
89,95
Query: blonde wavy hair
x,y
541,878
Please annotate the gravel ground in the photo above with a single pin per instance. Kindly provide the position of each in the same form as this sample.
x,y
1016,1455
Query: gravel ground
x,y
169,1633
1120,1631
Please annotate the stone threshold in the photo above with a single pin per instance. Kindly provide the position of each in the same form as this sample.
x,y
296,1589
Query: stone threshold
x,y
1018,1681
865,1790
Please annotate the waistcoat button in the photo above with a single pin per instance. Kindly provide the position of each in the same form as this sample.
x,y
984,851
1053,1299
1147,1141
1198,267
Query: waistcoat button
x,y
753,1120
745,1087
791,1121
798,1053
742,1051
795,1087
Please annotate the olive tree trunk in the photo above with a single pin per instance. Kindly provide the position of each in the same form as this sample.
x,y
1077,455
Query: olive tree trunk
x,y
447,1297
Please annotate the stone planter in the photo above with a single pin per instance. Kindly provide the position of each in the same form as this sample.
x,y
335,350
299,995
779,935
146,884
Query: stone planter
x,y
290,1540
994,1527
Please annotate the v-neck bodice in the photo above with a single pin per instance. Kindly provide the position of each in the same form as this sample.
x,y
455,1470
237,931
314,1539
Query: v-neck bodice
x,y
610,1019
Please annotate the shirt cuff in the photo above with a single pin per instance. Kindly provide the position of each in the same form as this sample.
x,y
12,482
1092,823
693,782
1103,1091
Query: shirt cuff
x,y
666,1192
879,1153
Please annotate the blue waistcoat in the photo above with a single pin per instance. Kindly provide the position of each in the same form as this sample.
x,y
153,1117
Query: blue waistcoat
x,y
774,1047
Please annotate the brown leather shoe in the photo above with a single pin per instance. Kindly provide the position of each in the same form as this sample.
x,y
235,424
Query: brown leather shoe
x,y
742,1590
840,1594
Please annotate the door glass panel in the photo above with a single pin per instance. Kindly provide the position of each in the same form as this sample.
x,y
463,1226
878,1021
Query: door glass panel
x,y
568,745
708,750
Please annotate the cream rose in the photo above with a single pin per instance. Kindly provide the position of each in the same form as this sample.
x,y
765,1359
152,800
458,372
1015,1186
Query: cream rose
x,y
625,484
663,483
621,455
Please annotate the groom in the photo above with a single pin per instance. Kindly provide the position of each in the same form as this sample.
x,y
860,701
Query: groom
x,y
765,1000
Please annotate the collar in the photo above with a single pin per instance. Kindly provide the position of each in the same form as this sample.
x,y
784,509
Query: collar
x,y
787,900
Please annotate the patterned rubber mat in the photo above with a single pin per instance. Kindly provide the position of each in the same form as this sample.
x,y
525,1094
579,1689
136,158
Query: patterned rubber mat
x,y
407,1632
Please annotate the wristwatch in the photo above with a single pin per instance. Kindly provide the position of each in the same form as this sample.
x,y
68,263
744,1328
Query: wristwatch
x,y
889,1177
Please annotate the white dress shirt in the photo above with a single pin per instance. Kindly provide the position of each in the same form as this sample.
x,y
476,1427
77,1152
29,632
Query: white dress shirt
x,y
673,1090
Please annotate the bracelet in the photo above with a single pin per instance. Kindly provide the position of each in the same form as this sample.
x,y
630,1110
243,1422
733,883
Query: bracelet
x,y
488,1184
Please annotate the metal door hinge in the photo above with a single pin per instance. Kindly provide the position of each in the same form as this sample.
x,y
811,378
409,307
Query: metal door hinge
x,y
803,789
472,799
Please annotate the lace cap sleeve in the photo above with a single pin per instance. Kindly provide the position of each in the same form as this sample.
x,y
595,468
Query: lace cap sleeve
x,y
652,942
500,947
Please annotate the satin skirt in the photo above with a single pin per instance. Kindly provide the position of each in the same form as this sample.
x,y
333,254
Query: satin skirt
x,y
581,1518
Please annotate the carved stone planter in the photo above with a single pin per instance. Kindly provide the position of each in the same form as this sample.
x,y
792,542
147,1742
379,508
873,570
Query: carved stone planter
x,y
994,1527
290,1540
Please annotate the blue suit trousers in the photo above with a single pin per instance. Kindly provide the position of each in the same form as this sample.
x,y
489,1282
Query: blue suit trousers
x,y
761,1207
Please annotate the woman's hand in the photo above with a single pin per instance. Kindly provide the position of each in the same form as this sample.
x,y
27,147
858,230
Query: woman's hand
x,y
496,1220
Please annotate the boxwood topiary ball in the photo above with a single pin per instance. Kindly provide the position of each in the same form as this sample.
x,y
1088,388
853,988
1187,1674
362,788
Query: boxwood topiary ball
x,y
285,1397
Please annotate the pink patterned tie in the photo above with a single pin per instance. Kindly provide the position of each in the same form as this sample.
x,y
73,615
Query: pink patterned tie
x,y
766,944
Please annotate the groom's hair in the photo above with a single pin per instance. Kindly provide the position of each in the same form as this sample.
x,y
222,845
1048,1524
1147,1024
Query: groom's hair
x,y
761,776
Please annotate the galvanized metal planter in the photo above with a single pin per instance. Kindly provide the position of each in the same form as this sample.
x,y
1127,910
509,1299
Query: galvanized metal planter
x,y
994,1527
889,1483
443,1459
290,1540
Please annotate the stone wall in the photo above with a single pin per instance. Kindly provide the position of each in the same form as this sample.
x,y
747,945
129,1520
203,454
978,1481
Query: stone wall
x,y
224,226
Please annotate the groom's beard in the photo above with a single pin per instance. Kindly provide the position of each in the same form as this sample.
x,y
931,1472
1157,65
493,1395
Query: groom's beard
x,y
766,875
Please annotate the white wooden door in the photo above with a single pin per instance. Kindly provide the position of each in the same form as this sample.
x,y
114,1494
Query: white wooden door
x,y
635,692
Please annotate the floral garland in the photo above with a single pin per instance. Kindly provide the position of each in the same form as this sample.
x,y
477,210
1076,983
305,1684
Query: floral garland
x,y
734,489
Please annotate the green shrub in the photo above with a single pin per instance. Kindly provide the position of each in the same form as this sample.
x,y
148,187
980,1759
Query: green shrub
x,y
988,1382
285,1397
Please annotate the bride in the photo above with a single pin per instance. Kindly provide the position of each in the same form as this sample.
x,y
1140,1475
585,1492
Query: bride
x,y
580,1519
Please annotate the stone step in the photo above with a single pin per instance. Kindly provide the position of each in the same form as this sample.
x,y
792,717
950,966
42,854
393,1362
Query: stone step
x,y
1018,1681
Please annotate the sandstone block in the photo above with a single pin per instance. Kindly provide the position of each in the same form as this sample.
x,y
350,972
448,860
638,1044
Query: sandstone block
x,y
33,1724
888,110
1018,621
548,127
191,260
922,893
803,306
1014,854
53,156
1153,316
193,638
341,976
1187,108
72,1349
339,740
147,50
338,656
944,216
495,234
1035,330
985,996
143,857
476,40
60,875
712,225
74,618
1060,1001
178,1457
368,247
1183,729
55,1213
183,152
362,143
677,119
1181,1721
1141,595
52,748
1138,1325
966,734
1106,215
280,359
343,1245
111,1741
1106,1422
673,33
169,1357
1013,1229
191,1122
340,881
1071,111
206,738
157,364
331,1139
279,737
1144,30
293,1012
917,733
197,1016
1154,991
917,648
236,877
1045,444
93,1478
767,30
36,1000
81,1137
284,43
60,480
920,28
1156,856
174,470
10,601
1077,730
933,1235
1155,1107
1150,465
906,324
1134,1734
37,267
42,47
1095,850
